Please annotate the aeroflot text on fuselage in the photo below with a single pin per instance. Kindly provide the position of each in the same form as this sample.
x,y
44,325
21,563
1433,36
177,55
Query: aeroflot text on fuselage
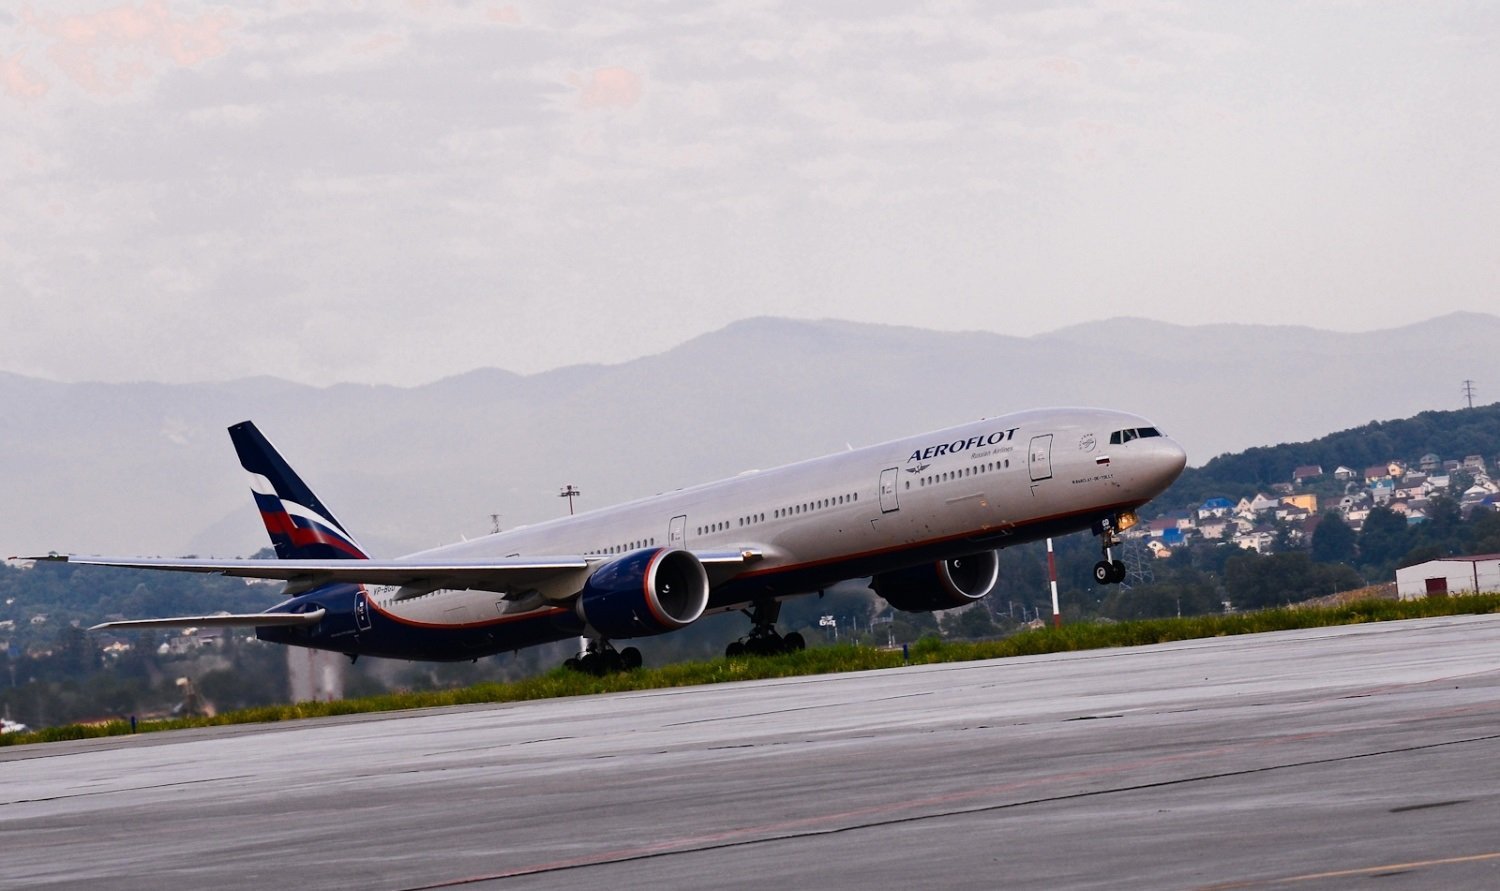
x,y
963,445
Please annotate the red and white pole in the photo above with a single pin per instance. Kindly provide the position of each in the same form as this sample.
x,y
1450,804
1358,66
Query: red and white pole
x,y
1052,576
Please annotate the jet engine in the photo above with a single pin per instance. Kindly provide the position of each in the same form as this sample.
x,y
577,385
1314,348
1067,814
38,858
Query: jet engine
x,y
644,593
942,585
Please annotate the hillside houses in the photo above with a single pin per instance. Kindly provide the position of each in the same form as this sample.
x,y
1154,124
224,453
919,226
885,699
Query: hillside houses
x,y
1306,474
1287,514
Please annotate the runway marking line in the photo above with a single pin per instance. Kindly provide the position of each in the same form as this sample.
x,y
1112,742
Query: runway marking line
x,y
1352,872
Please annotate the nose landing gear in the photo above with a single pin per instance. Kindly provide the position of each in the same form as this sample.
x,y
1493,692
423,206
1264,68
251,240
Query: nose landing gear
x,y
1109,571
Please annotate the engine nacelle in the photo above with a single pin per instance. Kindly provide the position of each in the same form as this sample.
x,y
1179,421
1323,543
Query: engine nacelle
x,y
942,585
643,593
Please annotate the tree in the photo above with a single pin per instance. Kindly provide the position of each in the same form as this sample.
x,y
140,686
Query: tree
x,y
1420,554
74,654
1333,540
1255,582
1187,592
973,623
1444,519
1384,539
1483,533
1283,542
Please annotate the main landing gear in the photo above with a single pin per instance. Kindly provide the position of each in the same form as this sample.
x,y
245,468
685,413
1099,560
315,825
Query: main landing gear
x,y
600,658
763,639
1109,571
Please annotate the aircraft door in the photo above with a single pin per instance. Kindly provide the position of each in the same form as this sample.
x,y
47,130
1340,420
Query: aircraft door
x,y
888,499
677,532
1041,457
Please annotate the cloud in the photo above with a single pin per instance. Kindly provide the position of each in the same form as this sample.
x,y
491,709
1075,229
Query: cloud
x,y
20,80
504,15
233,116
609,88
116,50
176,171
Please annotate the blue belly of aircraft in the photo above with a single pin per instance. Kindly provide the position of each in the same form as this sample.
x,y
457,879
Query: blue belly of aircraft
x,y
351,627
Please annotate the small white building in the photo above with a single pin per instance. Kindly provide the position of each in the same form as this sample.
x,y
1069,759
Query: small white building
x,y
1449,575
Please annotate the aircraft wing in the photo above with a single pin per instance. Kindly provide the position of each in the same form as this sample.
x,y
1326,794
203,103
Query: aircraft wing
x,y
555,576
503,574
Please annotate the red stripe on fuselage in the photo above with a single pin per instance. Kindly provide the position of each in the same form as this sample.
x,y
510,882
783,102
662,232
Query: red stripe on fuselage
x,y
878,552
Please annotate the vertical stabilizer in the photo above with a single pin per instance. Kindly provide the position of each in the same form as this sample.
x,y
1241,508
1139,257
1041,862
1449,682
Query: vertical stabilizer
x,y
300,526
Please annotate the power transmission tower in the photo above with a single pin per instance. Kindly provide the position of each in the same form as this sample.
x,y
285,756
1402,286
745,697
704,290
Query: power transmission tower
x,y
1469,392
1138,568
569,492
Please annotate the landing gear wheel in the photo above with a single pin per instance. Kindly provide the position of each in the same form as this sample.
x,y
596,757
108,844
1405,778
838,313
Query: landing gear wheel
x,y
602,659
1118,571
1104,573
763,639
766,644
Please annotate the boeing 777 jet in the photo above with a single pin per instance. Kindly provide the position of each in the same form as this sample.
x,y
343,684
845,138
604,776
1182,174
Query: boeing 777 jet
x,y
923,517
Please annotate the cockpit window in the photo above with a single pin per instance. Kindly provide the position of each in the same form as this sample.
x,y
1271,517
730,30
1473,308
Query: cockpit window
x,y
1123,436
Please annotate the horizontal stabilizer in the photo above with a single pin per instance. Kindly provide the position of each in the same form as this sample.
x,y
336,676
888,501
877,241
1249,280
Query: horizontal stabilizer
x,y
249,620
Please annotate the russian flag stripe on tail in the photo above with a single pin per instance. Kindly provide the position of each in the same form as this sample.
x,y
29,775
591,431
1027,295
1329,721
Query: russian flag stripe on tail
x,y
300,525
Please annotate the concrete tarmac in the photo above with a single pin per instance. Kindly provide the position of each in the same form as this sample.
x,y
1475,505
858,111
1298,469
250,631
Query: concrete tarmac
x,y
1323,759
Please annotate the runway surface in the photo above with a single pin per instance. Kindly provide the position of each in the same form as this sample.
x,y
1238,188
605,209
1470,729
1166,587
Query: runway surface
x,y
1325,759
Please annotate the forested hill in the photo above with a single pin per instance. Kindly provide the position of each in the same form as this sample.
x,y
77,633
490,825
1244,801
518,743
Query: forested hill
x,y
1449,434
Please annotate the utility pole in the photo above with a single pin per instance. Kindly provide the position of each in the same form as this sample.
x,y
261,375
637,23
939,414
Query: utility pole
x,y
569,492
1052,578
1469,392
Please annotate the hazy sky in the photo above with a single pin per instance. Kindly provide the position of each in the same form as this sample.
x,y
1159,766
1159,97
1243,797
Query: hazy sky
x,y
396,192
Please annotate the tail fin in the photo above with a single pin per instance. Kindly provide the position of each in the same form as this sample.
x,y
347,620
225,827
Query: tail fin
x,y
301,528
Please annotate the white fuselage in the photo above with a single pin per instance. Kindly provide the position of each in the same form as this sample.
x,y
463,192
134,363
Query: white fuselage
x,y
974,487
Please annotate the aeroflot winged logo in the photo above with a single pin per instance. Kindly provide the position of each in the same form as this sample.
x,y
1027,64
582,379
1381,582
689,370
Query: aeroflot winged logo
x,y
963,445
297,530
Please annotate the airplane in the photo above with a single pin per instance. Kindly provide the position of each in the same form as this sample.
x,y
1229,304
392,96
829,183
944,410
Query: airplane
x,y
923,517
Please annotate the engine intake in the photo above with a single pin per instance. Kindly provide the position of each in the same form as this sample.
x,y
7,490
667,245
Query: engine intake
x,y
945,584
644,593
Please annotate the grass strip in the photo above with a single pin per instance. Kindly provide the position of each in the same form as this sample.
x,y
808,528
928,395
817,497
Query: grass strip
x,y
819,660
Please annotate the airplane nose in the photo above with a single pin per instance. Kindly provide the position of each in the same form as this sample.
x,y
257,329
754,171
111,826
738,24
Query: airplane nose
x,y
1170,460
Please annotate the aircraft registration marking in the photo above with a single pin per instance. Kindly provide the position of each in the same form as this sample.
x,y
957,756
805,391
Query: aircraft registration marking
x,y
1094,479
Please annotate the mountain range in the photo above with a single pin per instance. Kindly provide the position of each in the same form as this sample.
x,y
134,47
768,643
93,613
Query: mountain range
x,y
146,468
